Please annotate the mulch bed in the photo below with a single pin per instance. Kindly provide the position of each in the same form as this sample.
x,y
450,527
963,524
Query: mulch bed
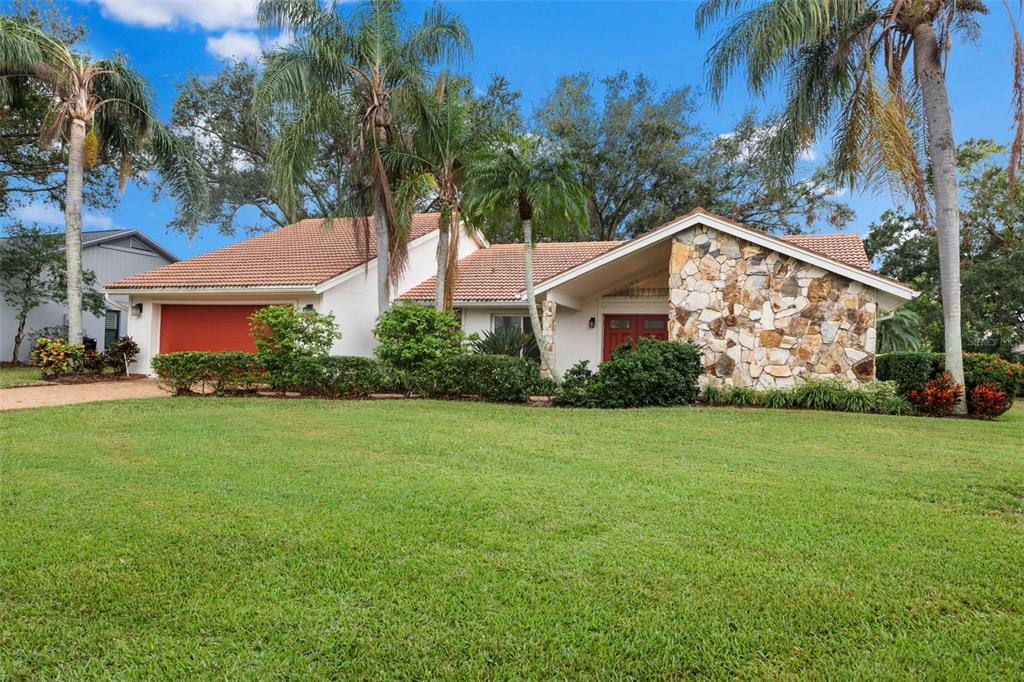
x,y
93,378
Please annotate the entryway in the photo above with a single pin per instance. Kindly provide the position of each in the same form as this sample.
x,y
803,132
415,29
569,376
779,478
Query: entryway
x,y
620,329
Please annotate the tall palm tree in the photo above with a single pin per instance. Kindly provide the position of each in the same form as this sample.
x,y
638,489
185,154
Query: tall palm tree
x,y
353,73
433,171
844,64
101,111
527,178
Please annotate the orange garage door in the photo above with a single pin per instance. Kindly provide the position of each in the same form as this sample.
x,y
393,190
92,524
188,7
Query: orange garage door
x,y
206,327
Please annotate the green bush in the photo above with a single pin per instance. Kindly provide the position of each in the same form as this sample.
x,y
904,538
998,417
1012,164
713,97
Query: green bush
x,y
347,376
232,372
653,373
913,370
497,378
290,344
180,372
776,398
411,336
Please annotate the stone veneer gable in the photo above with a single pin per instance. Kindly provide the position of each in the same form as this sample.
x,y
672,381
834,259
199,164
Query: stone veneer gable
x,y
764,319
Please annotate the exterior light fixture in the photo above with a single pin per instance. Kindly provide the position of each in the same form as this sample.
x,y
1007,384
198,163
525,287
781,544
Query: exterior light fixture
x,y
137,310
308,308
592,322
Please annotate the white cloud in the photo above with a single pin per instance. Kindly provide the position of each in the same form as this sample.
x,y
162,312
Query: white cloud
x,y
212,15
45,214
235,45
245,45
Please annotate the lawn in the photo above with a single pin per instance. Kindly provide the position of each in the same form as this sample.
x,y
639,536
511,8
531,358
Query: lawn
x,y
258,538
19,376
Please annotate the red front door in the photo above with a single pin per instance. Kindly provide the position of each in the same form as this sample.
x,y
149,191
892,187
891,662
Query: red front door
x,y
620,329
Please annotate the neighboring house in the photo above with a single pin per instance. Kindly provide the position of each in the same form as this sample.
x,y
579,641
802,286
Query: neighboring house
x,y
111,255
765,310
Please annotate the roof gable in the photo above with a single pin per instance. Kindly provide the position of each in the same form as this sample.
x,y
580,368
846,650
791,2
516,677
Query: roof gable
x,y
843,256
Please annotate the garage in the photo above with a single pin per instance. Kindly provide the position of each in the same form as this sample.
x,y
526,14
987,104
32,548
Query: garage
x,y
206,327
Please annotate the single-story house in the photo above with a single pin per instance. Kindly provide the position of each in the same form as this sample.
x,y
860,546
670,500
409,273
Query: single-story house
x,y
765,310
111,255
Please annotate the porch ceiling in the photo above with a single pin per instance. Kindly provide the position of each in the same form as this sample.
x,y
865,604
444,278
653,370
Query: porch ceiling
x,y
618,272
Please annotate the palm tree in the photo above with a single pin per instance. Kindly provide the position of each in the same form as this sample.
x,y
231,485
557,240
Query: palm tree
x,y
899,331
349,74
433,171
526,177
101,111
844,65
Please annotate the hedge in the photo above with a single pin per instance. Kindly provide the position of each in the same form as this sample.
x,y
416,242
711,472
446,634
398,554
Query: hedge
x,y
912,370
655,373
226,373
497,378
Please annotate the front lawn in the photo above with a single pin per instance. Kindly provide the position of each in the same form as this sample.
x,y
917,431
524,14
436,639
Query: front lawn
x,y
254,538
19,376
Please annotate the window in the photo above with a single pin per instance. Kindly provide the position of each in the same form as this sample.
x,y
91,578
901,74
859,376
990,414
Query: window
x,y
111,328
619,323
655,324
517,321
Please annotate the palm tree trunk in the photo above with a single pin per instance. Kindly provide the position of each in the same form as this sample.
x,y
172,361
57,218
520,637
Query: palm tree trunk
x,y
444,235
531,302
73,227
942,153
380,226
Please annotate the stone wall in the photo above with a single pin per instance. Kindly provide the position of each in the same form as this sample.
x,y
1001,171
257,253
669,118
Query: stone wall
x,y
764,319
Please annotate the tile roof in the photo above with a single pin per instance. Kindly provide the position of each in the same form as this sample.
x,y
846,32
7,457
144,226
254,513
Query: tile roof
x,y
305,253
846,248
496,273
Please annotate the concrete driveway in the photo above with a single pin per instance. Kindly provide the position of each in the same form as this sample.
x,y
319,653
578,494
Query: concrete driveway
x,y
70,394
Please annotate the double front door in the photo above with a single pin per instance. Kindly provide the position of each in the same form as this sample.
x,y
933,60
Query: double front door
x,y
620,329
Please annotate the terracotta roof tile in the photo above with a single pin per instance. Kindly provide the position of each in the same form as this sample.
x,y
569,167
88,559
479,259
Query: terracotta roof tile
x,y
496,273
305,253
846,248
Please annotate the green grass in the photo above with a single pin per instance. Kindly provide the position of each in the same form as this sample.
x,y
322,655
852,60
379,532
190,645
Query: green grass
x,y
19,376
249,538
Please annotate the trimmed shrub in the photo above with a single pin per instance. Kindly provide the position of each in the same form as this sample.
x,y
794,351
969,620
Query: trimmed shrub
x,y
910,370
232,372
410,336
988,401
56,356
347,376
982,368
497,378
544,386
179,372
654,373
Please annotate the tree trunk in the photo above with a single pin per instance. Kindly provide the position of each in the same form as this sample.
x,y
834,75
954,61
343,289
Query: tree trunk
x,y
531,302
444,230
73,227
942,154
19,336
380,226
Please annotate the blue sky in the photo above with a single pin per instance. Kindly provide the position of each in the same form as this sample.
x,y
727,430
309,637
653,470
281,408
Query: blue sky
x,y
531,43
